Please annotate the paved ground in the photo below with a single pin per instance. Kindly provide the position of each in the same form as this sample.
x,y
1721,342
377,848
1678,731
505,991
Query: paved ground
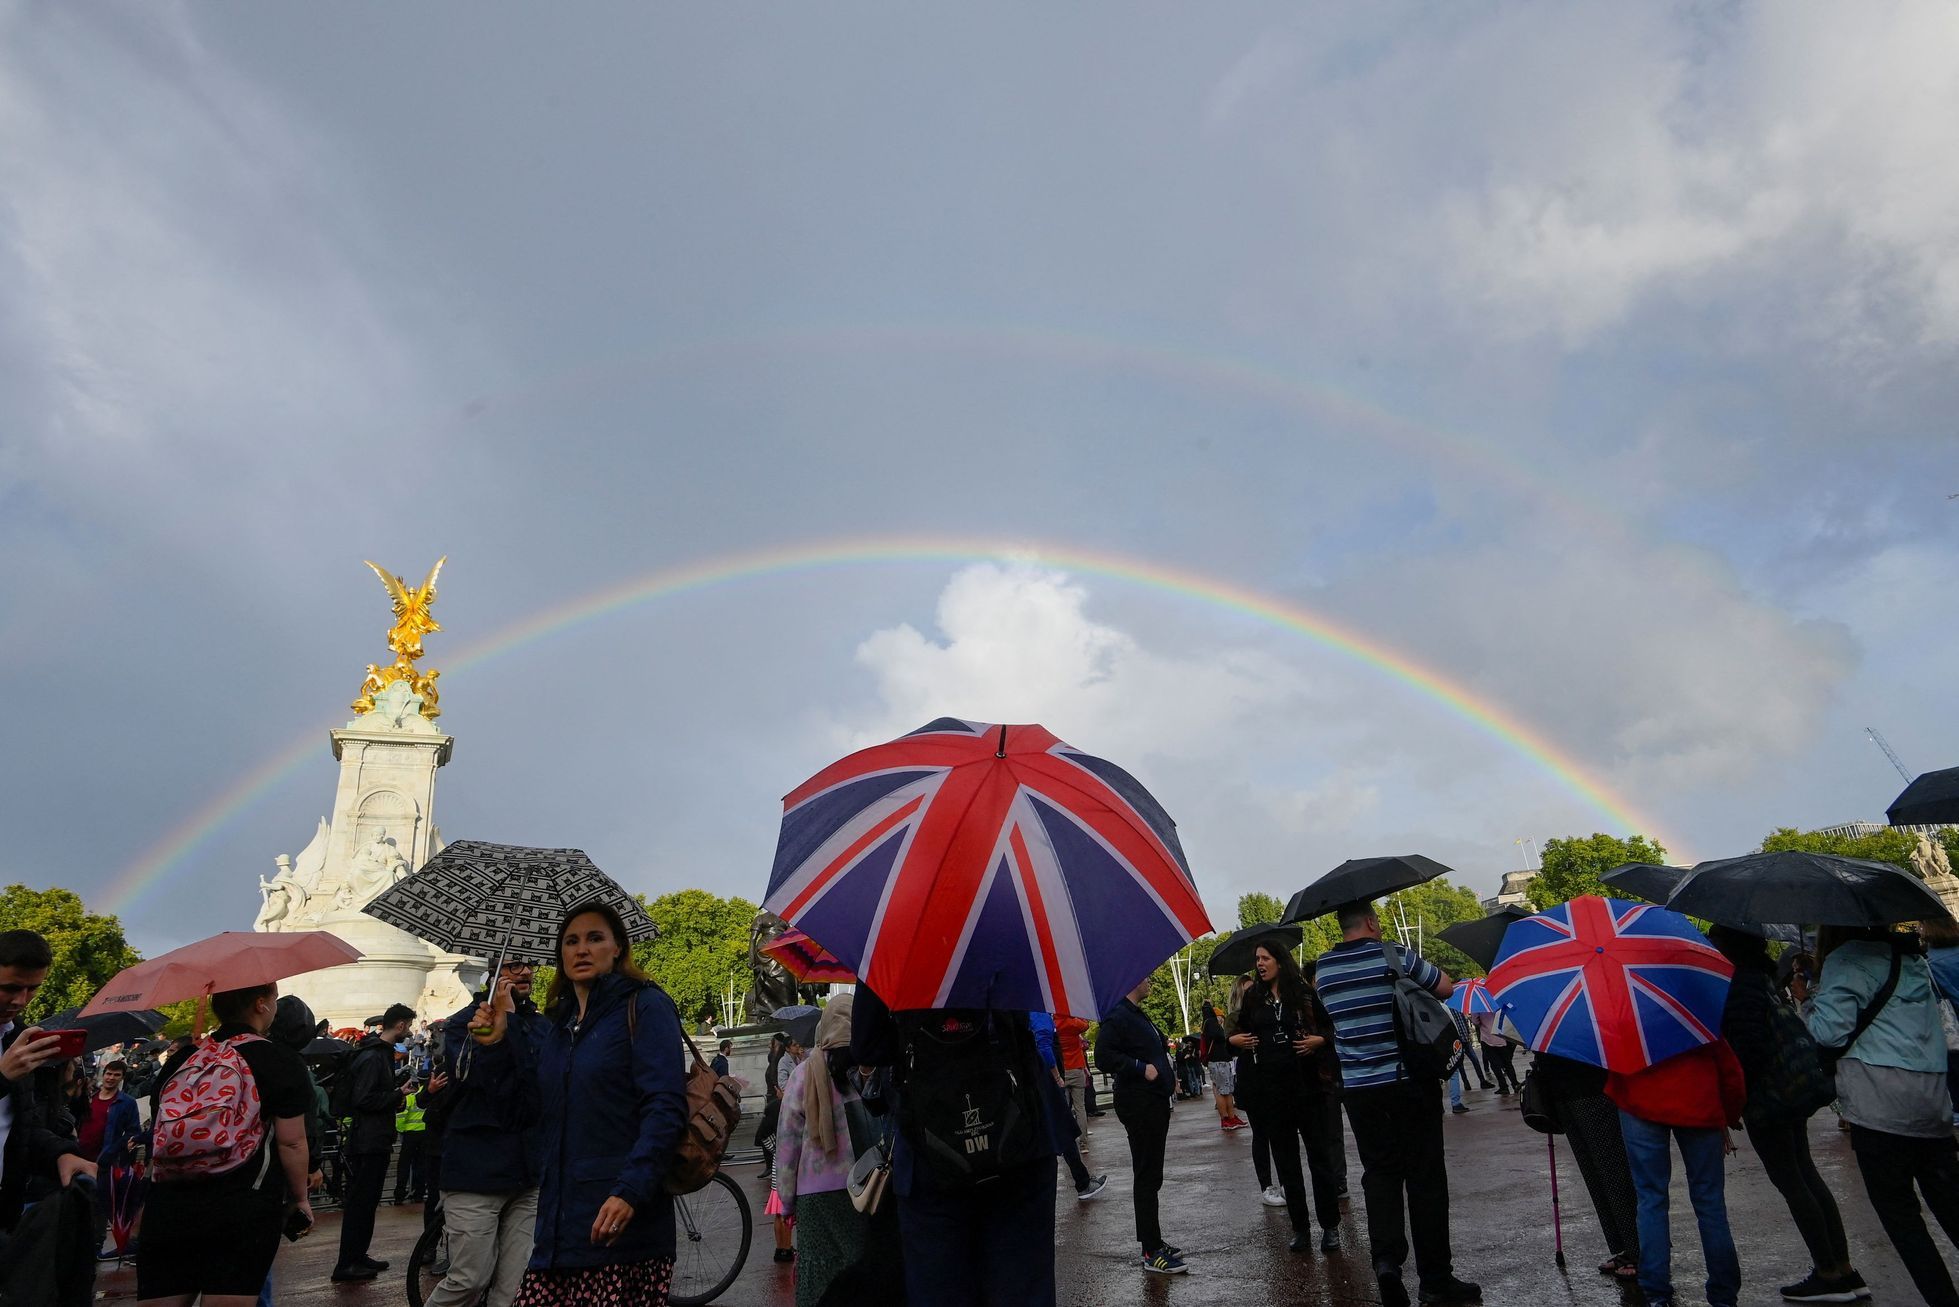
x,y
1236,1247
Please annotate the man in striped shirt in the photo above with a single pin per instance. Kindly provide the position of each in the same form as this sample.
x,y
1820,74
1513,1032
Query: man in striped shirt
x,y
1396,1119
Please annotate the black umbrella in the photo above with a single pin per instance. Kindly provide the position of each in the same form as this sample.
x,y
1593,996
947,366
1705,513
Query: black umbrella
x,y
1234,953
502,900
1817,888
1646,880
326,1049
1931,800
1480,939
108,1028
1359,880
799,1022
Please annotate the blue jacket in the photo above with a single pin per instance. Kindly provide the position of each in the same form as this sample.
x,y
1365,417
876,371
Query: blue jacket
x,y
125,1124
613,1103
1126,1043
1906,1033
485,1149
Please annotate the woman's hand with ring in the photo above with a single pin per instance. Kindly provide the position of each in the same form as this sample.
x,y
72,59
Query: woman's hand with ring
x,y
611,1222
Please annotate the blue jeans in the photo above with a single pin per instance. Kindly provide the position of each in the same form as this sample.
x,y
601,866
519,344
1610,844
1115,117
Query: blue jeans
x,y
1457,1085
1652,1172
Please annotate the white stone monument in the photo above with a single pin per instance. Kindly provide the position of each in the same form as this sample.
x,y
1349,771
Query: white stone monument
x,y
382,828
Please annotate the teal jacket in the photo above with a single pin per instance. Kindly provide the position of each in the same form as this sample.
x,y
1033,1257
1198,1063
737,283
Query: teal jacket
x,y
1907,1032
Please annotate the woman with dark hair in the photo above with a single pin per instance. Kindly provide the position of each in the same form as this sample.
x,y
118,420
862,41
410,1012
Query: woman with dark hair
x,y
1876,1010
1282,1024
1782,1095
609,1084
1244,1100
1217,1060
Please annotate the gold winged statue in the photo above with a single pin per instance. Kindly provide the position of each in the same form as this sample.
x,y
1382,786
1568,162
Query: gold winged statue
x,y
412,621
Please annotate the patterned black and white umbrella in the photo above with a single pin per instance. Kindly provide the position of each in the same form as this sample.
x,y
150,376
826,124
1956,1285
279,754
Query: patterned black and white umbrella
x,y
502,900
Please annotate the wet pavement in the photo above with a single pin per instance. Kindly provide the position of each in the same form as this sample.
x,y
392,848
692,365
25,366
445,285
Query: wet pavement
x,y
1236,1247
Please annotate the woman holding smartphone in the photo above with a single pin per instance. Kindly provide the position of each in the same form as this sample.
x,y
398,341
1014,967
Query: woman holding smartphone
x,y
608,1082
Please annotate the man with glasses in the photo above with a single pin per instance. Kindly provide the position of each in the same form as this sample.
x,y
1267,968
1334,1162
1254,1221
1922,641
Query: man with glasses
x,y
489,1171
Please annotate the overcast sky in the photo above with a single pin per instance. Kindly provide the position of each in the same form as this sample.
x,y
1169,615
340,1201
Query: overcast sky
x,y
1599,358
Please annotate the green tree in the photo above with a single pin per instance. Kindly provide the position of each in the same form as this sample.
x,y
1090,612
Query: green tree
x,y
1256,909
1427,909
88,947
1893,846
1571,867
703,943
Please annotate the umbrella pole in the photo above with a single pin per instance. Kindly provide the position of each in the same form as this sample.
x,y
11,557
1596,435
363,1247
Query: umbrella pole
x,y
197,1026
1557,1220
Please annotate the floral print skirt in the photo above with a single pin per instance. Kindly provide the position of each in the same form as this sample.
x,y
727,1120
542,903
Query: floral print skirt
x,y
625,1284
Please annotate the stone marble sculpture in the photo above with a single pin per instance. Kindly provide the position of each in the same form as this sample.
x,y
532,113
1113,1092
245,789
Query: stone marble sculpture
x,y
772,986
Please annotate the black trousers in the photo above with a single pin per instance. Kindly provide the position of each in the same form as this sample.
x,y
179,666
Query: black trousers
x,y
408,1166
1503,1069
1784,1150
366,1173
1146,1120
1261,1145
1296,1118
1398,1131
986,1246
432,1173
1891,1165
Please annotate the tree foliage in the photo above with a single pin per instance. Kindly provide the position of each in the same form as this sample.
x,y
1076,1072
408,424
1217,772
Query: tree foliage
x,y
702,944
1257,909
1426,909
1888,845
1571,867
88,947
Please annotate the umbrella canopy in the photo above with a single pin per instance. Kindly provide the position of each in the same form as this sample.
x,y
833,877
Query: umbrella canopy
x,y
1360,880
326,1048
235,959
969,864
1234,952
1611,983
110,1027
1645,880
1814,888
807,960
1931,800
1472,996
799,1022
502,900
1480,939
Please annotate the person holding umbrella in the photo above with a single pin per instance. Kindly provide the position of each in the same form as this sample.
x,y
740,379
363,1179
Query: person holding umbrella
x,y
225,1161
1287,1032
1875,1009
610,1089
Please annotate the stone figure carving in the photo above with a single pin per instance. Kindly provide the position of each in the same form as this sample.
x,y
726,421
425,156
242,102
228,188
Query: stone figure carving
x,y
413,620
283,898
378,865
1929,858
772,986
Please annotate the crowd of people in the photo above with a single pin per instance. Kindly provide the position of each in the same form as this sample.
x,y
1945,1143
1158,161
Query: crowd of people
x,y
549,1127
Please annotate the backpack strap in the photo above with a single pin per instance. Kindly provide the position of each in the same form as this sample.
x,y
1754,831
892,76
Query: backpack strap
x,y
1878,1000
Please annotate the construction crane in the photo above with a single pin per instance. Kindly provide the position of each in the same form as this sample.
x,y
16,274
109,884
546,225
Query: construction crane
x,y
1885,745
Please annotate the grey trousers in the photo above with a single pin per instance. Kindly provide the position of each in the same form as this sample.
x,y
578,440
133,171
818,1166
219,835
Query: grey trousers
x,y
490,1238
1076,1081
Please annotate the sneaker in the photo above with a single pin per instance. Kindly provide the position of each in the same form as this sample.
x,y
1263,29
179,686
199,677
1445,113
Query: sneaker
x,y
1091,1189
1273,1196
1233,1123
1164,1261
1817,1287
1458,1109
1330,1239
1393,1292
1452,1290
1849,1280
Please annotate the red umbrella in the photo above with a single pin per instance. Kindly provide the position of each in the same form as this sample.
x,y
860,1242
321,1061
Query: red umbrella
x,y
807,960
235,959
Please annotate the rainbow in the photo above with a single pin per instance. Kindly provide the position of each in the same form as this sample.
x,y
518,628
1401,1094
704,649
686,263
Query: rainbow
x,y
155,864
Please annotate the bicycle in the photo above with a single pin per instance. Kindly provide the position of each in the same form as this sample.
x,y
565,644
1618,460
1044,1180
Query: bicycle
x,y
713,1230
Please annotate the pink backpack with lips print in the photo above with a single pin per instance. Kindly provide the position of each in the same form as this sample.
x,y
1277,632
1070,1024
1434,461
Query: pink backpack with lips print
x,y
208,1119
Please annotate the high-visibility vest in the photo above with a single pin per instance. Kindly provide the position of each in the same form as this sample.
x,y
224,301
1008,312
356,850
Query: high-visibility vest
x,y
409,1118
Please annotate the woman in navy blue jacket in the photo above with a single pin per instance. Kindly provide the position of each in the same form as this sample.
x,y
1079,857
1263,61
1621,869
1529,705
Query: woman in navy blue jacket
x,y
608,1083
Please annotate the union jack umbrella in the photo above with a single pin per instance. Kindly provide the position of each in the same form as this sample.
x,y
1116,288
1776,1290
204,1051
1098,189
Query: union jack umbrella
x,y
1472,996
807,960
1616,984
976,865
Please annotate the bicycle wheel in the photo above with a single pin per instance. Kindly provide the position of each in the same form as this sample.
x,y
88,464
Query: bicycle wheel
x,y
713,1229
431,1252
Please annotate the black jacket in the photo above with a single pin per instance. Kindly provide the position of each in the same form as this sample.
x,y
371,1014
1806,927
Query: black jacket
x,y
371,1097
35,1140
50,1260
484,1148
1126,1043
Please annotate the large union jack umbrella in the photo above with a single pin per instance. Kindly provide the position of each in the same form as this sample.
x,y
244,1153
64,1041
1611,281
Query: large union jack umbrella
x,y
1616,984
974,865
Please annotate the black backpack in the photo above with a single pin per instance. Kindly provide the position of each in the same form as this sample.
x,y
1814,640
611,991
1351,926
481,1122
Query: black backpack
x,y
970,1104
1430,1045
